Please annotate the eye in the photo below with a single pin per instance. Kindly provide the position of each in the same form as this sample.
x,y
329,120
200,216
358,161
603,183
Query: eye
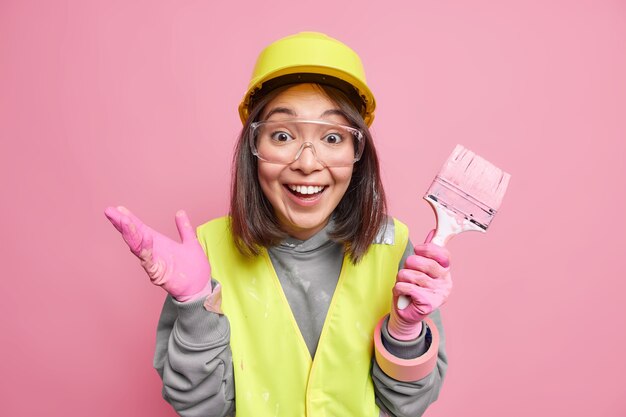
x,y
281,136
333,138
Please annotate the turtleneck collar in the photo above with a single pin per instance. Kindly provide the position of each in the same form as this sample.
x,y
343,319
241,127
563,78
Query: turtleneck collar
x,y
314,242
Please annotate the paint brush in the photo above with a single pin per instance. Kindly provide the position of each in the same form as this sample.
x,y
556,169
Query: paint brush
x,y
465,195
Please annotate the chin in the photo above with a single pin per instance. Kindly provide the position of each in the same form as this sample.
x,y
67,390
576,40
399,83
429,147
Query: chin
x,y
304,229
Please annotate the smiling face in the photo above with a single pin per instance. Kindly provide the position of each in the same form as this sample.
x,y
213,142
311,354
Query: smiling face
x,y
305,193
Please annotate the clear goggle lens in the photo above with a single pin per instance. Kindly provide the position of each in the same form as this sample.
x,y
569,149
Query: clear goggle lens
x,y
284,141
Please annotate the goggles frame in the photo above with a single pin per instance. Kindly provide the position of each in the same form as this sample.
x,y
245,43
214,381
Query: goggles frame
x,y
356,133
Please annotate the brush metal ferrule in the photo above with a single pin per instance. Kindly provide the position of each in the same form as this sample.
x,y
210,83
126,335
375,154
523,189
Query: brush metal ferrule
x,y
452,198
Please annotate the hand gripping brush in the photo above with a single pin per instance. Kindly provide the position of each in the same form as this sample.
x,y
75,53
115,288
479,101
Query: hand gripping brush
x,y
465,195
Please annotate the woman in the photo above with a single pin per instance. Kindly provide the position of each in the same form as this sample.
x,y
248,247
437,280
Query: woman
x,y
274,309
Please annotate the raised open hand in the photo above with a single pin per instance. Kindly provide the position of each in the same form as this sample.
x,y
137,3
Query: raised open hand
x,y
182,269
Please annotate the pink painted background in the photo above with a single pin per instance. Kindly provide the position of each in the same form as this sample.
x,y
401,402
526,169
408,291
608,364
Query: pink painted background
x,y
134,103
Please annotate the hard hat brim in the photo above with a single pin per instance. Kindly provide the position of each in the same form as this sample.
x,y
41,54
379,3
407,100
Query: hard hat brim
x,y
355,89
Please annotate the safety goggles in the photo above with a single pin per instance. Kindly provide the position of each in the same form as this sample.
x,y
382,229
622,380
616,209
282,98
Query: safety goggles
x,y
284,141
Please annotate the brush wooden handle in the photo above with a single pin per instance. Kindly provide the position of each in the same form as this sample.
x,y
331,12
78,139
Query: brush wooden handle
x,y
450,224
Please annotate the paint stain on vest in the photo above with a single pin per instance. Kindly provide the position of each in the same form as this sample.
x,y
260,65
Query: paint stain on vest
x,y
252,293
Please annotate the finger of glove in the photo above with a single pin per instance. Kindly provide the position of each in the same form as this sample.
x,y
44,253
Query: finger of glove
x,y
136,220
138,238
147,250
433,288
435,252
185,230
115,217
133,236
155,268
415,278
421,298
426,265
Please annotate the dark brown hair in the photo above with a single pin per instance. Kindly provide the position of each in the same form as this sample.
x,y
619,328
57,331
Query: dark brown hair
x,y
358,217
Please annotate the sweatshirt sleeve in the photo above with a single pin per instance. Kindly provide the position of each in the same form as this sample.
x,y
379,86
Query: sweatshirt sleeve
x,y
194,360
398,398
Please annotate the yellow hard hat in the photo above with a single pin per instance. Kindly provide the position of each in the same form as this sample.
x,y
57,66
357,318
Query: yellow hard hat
x,y
310,57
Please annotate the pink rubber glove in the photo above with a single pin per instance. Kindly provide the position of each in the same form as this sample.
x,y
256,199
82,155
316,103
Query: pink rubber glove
x,y
427,282
182,269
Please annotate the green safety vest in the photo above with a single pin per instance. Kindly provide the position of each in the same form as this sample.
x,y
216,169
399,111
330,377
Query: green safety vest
x,y
274,372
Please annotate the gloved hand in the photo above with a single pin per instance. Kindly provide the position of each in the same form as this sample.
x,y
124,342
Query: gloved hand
x,y
182,269
427,283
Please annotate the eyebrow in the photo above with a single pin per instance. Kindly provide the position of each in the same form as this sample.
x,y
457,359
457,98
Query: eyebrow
x,y
285,110
334,112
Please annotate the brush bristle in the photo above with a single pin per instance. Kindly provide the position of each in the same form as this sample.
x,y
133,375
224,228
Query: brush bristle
x,y
476,177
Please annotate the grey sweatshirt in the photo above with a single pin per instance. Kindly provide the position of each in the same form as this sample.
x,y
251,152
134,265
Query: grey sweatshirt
x,y
193,355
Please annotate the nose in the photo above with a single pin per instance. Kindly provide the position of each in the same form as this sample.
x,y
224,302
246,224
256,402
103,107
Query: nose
x,y
306,159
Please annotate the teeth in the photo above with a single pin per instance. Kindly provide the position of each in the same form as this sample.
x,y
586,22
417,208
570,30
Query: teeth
x,y
306,189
